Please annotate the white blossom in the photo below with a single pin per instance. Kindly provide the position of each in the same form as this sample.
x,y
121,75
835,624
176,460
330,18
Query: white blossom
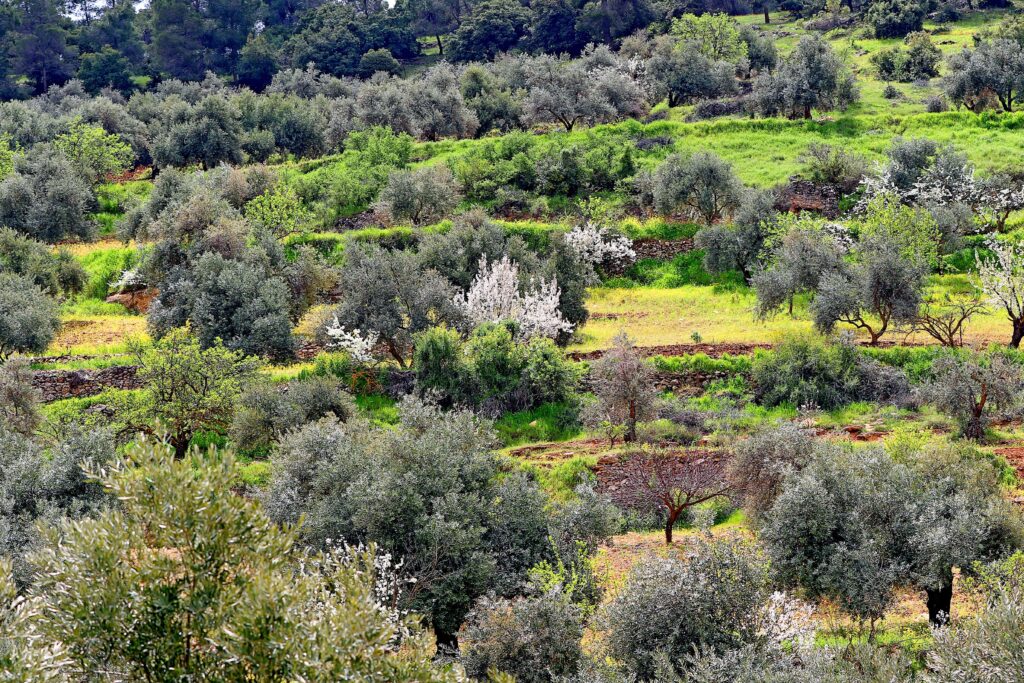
x,y
130,280
357,344
1002,278
785,620
494,296
597,246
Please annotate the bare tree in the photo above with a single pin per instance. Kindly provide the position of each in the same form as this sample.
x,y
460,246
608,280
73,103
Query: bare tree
x,y
945,321
675,481
624,385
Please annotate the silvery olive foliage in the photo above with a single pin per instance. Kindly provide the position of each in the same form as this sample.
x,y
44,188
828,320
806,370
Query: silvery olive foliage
x,y
537,639
989,647
813,76
856,526
43,483
392,294
19,399
426,493
715,601
29,318
418,196
970,387
762,462
702,185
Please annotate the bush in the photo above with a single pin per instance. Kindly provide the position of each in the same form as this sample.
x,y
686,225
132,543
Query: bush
x,y
266,412
919,61
535,639
807,371
55,273
420,196
824,163
668,607
935,104
29,319
896,18
46,198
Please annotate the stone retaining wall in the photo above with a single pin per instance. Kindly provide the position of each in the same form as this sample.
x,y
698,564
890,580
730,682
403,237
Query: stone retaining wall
x,y
55,385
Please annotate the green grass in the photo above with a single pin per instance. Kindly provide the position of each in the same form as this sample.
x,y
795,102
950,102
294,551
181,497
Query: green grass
x,y
381,410
549,422
103,266
115,199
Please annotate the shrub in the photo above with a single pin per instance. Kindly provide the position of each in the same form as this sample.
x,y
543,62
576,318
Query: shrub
x,y
42,485
420,196
764,460
536,639
919,61
668,608
440,365
55,273
266,412
807,371
825,163
29,319
896,18
46,198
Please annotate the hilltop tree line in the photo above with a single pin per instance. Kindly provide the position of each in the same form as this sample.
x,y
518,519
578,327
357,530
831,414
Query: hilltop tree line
x,y
112,43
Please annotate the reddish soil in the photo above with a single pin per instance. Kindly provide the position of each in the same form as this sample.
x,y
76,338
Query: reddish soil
x,y
1015,456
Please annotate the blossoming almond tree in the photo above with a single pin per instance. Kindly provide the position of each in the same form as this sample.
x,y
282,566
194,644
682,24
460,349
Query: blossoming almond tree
x,y
1002,278
494,296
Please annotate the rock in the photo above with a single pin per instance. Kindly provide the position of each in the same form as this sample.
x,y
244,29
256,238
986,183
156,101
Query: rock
x,y
137,302
803,195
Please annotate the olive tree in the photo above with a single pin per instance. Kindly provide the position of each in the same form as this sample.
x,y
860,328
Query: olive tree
x,y
536,639
741,244
55,272
391,295
682,74
799,255
19,399
29,319
42,483
713,601
967,387
813,76
46,198
987,648
856,526
207,133
420,196
763,461
425,492
880,290
703,184
992,70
